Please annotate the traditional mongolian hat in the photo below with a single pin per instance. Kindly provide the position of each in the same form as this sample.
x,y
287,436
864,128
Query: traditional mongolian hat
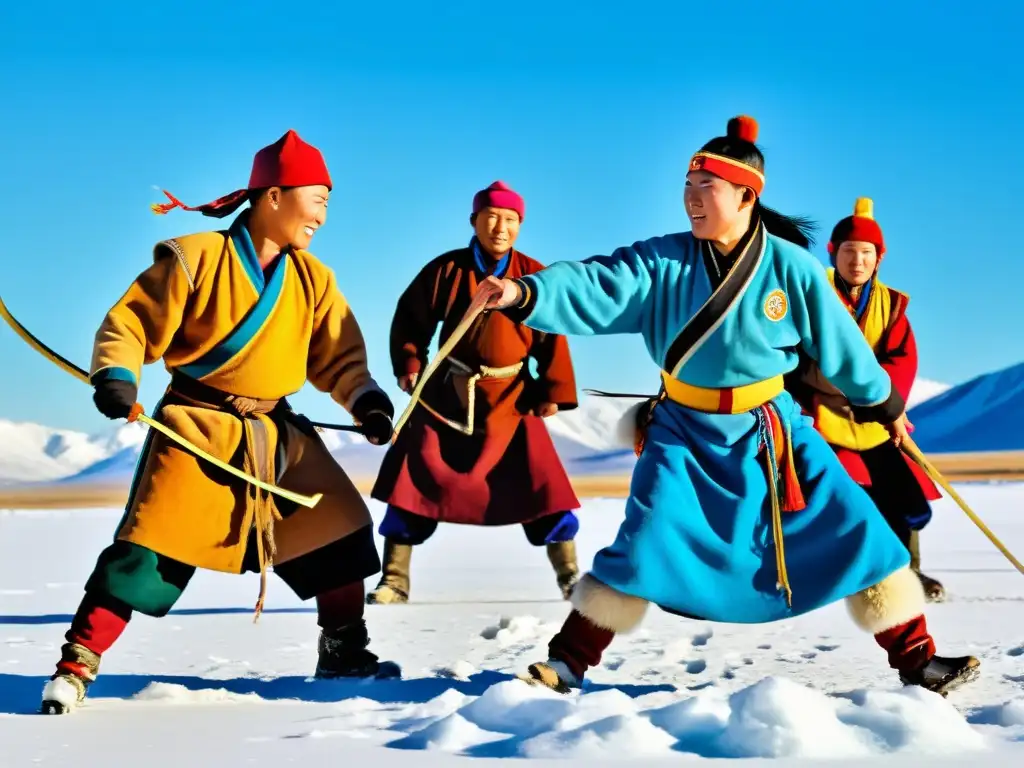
x,y
861,227
288,162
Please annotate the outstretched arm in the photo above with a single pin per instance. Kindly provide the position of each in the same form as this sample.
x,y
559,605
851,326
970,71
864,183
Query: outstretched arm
x,y
600,295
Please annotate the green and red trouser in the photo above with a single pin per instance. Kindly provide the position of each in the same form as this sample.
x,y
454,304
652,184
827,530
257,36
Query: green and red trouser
x,y
130,578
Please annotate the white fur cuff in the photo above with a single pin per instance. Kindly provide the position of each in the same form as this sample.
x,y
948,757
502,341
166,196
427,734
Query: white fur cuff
x,y
607,607
625,427
895,600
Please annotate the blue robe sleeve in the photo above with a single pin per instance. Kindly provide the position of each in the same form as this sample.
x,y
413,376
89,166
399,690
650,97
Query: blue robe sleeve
x,y
599,295
831,336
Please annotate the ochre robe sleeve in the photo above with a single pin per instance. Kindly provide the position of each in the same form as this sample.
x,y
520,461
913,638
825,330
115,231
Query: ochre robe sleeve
x,y
415,322
556,378
139,328
337,353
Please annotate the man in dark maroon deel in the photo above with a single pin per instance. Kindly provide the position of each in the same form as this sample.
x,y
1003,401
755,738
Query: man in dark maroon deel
x,y
476,450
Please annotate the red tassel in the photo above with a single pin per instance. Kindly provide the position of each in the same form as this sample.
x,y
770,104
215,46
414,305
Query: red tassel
x,y
792,495
638,443
219,208
162,208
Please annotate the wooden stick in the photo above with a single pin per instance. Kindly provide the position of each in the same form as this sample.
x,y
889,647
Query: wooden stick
x,y
460,330
911,449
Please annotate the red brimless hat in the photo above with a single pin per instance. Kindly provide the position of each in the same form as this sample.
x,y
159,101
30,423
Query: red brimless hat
x,y
288,162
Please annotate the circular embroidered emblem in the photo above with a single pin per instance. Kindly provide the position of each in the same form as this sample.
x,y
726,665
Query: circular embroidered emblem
x,y
776,305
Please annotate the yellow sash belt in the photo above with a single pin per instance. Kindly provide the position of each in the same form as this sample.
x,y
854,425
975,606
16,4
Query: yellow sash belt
x,y
727,400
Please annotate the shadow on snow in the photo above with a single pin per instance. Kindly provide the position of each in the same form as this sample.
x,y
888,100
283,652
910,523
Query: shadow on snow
x,y
20,694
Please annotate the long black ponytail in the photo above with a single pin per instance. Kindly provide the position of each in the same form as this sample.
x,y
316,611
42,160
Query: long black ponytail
x,y
796,229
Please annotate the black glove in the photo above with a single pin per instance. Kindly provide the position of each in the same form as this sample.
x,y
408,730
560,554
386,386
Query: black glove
x,y
114,398
374,412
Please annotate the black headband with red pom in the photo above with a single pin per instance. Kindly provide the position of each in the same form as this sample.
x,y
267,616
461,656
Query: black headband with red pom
x,y
736,171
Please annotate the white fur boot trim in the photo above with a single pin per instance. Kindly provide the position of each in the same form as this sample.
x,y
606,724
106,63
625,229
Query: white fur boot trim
x,y
607,607
895,600
64,691
625,427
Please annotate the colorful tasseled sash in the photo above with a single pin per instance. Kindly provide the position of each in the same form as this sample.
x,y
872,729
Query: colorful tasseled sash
x,y
783,482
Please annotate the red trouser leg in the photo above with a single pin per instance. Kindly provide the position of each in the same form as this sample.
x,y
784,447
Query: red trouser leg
x,y
97,624
340,606
579,643
909,645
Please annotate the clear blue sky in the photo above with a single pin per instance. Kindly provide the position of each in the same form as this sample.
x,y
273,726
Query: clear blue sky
x,y
590,110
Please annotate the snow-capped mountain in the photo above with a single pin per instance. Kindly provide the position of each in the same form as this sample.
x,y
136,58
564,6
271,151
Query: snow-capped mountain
x,y
32,453
925,389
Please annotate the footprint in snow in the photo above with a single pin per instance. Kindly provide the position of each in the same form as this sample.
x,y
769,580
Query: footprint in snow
x,y
826,648
696,667
701,638
1018,651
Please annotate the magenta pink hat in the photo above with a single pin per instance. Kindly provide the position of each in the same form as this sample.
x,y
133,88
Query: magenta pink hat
x,y
499,195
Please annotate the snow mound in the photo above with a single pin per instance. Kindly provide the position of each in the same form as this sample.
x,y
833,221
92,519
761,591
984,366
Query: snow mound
x,y
452,733
510,630
173,693
772,718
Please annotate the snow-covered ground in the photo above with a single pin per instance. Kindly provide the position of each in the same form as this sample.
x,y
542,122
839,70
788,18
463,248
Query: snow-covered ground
x,y
205,686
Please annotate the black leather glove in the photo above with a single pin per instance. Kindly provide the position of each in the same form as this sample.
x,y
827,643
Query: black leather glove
x,y
374,412
114,398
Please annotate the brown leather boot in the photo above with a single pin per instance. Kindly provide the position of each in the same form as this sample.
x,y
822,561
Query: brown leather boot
x,y
394,584
563,559
342,652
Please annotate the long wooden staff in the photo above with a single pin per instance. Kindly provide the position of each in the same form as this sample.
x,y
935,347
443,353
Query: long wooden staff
x,y
138,414
475,308
911,449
